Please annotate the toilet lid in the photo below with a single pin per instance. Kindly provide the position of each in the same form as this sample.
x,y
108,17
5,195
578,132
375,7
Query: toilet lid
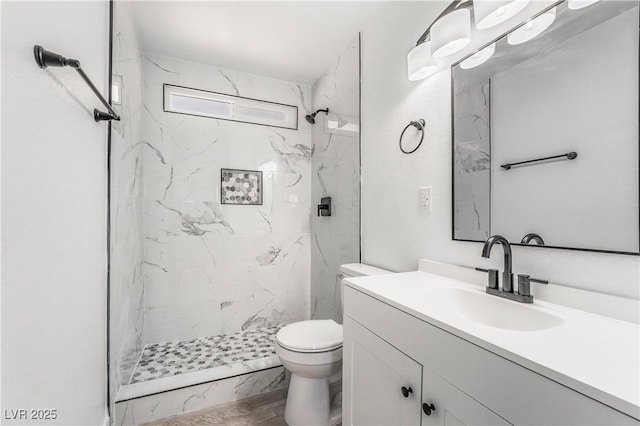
x,y
311,336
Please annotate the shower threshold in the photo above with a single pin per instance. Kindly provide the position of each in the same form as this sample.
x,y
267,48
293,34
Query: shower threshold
x,y
168,366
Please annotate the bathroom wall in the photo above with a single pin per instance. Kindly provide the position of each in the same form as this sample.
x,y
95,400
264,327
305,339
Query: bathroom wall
x,y
336,174
396,230
54,204
212,268
126,201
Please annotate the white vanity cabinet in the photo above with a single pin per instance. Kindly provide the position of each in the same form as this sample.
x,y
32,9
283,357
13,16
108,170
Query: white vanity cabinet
x,y
380,377
452,406
386,348
387,387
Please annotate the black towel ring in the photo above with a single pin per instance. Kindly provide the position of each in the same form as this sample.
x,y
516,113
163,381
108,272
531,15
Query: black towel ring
x,y
418,125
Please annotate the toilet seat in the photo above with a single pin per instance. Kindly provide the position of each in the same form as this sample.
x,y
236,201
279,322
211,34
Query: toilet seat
x,y
311,336
308,359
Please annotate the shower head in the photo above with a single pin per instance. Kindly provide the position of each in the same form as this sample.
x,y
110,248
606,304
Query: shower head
x,y
45,58
311,118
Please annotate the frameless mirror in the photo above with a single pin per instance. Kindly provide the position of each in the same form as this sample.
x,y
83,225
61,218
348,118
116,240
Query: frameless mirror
x,y
545,132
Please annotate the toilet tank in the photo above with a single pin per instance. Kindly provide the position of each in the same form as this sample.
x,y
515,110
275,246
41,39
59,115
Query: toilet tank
x,y
360,270
350,270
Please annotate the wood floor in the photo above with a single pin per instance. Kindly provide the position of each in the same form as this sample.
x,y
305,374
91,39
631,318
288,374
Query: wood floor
x,y
261,410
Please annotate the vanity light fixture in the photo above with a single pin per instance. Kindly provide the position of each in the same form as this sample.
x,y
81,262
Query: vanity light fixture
x,y
478,58
532,28
489,13
579,4
451,33
420,64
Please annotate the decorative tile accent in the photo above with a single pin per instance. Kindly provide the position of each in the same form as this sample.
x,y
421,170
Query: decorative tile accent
x,y
186,356
241,187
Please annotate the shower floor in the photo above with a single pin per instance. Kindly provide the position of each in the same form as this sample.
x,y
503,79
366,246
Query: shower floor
x,y
162,360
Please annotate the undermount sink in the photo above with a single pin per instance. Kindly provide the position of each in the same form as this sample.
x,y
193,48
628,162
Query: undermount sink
x,y
495,312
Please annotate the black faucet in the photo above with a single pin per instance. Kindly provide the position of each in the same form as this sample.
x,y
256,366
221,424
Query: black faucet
x,y
507,275
524,281
532,237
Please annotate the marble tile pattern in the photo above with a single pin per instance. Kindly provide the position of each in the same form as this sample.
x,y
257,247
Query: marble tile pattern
x,y
472,161
260,410
184,400
241,187
171,358
212,268
127,242
336,174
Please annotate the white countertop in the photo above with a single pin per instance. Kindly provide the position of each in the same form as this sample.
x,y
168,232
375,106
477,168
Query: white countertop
x,y
592,354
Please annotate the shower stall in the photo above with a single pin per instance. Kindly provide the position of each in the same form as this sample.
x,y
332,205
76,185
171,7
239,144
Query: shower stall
x,y
215,241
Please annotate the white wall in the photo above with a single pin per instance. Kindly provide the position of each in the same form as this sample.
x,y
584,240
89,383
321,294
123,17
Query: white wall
x,y
54,213
396,231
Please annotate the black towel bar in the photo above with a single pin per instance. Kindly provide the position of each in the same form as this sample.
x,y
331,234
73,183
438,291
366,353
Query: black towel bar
x,y
569,155
45,59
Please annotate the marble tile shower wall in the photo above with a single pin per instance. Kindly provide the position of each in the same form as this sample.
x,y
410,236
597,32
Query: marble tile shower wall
x,y
210,268
184,400
336,173
472,162
126,314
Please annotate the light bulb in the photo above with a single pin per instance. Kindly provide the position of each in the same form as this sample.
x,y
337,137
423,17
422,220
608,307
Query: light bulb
x,y
420,64
478,58
579,4
489,13
532,28
451,33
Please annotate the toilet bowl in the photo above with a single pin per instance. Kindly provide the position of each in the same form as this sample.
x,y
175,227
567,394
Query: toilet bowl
x,y
312,352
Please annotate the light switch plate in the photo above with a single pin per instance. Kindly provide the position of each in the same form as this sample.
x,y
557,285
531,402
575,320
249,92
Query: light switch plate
x,y
425,197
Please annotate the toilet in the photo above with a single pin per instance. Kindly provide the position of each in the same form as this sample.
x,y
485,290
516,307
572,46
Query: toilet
x,y
312,352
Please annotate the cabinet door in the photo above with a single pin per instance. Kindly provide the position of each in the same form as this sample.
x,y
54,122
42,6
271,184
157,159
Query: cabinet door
x,y
452,406
374,374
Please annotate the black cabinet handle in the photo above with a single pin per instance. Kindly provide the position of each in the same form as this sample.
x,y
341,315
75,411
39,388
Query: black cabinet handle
x,y
428,408
406,391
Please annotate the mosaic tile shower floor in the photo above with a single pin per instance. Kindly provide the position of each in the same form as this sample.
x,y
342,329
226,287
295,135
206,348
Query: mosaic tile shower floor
x,y
172,358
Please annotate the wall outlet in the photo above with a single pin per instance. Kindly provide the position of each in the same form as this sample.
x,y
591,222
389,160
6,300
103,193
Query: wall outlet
x,y
425,197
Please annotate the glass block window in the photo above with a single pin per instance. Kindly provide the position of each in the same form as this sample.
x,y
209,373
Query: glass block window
x,y
116,90
183,100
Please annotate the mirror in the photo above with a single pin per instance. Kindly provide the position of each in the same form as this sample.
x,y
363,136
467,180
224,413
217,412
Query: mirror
x,y
570,93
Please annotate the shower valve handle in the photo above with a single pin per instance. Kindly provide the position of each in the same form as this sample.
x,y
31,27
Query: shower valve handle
x,y
324,208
